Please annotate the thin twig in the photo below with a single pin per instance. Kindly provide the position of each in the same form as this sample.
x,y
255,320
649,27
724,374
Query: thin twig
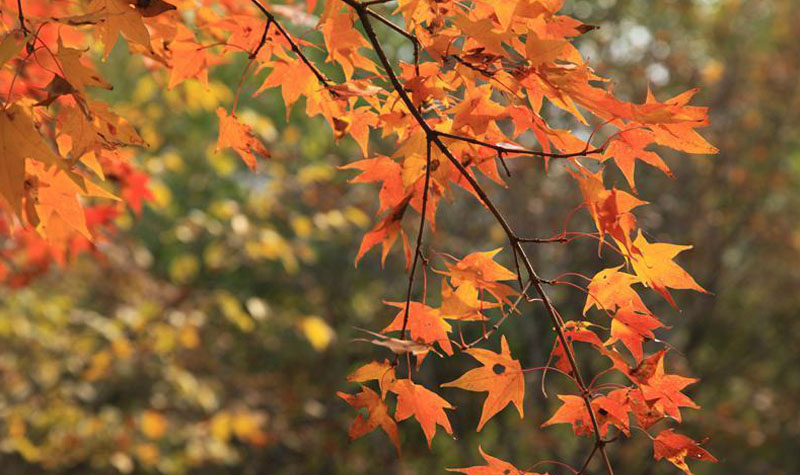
x,y
21,16
496,326
419,240
519,150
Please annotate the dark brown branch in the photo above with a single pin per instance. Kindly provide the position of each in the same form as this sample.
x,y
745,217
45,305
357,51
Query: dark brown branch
x,y
21,16
263,39
413,39
296,49
561,239
419,240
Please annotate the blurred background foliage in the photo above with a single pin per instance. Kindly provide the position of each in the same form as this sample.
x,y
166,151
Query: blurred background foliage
x,y
215,332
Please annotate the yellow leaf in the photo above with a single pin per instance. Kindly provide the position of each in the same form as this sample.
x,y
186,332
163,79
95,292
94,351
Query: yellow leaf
x,y
153,424
11,46
317,332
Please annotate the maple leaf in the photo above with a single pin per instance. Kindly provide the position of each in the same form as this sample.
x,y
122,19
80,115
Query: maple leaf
x,y
477,110
665,390
653,264
633,328
495,467
119,17
540,51
645,412
463,303
500,375
358,122
244,31
505,12
610,209
385,232
343,42
57,202
11,45
425,324
294,79
629,146
611,289
378,415
78,74
480,270
383,372
113,129
189,58
609,410
483,33
680,133
677,447
425,405
240,137
77,134
639,374
19,140
91,134
384,170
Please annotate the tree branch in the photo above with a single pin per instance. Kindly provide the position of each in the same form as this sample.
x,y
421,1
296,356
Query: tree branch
x,y
419,240
435,137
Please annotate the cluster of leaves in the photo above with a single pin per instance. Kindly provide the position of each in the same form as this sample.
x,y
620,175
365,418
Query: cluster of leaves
x,y
743,202
471,99
177,349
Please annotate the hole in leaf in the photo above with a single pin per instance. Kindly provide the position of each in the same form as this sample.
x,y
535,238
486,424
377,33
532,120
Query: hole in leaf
x,y
498,369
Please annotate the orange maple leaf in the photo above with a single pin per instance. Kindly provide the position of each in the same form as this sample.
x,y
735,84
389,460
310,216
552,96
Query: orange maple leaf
x,y
609,410
633,328
463,303
384,170
76,72
676,447
424,323
480,270
378,415
495,467
294,79
653,264
20,140
119,17
611,289
383,372
664,390
629,146
610,209
189,58
425,405
240,137
385,232
500,375
679,133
